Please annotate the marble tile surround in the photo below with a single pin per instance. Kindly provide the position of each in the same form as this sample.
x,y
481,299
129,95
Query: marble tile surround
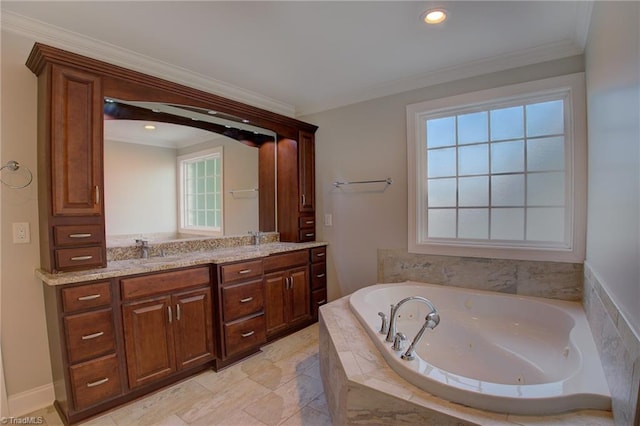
x,y
555,280
360,388
618,346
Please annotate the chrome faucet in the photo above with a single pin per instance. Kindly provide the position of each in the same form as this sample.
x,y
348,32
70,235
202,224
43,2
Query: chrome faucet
x,y
144,247
431,321
256,237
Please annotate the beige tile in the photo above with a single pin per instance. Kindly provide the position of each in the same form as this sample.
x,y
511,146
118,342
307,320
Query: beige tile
x,y
105,420
308,416
214,381
239,395
276,374
232,418
49,416
281,404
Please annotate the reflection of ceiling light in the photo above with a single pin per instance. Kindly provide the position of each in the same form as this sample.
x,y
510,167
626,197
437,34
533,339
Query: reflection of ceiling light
x,y
245,121
109,100
212,112
227,126
434,16
150,127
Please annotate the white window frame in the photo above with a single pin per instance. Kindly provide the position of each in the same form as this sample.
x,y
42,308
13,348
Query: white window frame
x,y
575,163
182,228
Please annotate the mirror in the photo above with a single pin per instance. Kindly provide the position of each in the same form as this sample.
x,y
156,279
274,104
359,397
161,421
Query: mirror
x,y
142,144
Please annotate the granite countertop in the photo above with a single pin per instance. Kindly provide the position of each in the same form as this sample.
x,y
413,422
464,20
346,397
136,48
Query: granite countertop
x,y
118,268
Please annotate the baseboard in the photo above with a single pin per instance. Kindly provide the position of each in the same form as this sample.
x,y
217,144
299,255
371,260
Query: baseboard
x,y
31,400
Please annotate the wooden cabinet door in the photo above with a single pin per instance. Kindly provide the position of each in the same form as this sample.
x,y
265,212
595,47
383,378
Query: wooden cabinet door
x,y
76,142
306,171
275,301
299,307
149,341
193,327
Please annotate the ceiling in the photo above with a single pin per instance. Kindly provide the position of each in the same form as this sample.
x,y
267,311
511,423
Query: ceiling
x,y
297,58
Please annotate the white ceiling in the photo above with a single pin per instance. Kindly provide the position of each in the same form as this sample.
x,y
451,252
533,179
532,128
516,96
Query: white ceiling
x,y
302,57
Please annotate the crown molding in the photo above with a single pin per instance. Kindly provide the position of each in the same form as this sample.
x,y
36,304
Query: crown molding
x,y
507,61
583,22
93,48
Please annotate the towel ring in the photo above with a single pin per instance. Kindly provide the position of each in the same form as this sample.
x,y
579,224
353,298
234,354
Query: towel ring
x,y
14,166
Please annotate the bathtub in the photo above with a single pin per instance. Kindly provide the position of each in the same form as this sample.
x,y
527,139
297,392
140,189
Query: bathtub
x,y
492,351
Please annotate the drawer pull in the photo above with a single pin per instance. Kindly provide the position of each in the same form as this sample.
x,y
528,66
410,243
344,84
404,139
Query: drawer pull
x,y
310,222
323,301
87,235
178,310
89,257
170,314
320,275
89,297
320,254
246,299
98,382
310,234
92,336
251,333
244,271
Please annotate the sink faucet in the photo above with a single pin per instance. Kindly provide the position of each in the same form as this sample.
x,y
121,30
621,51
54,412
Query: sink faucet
x,y
431,321
256,237
144,247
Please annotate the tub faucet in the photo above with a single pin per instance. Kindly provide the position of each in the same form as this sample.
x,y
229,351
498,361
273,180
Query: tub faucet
x,y
393,317
144,247
431,321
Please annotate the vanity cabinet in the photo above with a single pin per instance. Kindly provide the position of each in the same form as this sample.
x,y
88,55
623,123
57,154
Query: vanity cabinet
x,y
241,314
296,188
70,169
167,322
286,283
84,346
318,279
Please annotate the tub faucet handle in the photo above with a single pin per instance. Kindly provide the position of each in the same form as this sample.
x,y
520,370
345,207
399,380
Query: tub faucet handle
x,y
384,327
398,341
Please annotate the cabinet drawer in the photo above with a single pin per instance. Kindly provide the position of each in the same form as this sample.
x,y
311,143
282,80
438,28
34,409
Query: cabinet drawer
x,y
85,258
89,335
242,300
164,282
318,276
74,235
95,381
318,298
307,235
243,335
287,260
306,221
318,254
86,296
241,271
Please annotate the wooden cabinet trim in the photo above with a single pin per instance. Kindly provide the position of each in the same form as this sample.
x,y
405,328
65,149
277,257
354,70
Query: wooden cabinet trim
x,y
164,282
285,260
86,296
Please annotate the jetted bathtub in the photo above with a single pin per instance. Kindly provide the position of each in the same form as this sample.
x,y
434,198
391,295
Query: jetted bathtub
x,y
492,351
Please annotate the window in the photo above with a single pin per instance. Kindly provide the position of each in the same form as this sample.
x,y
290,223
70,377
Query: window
x,y
500,173
200,192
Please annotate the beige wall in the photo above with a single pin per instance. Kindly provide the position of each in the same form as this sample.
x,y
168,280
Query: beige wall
x,y
613,98
24,341
368,141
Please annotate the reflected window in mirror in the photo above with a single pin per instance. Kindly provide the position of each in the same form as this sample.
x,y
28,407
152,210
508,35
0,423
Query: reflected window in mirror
x,y
200,192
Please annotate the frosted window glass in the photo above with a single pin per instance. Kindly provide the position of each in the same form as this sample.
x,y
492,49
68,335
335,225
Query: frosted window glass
x,y
201,202
507,123
545,224
200,169
473,128
473,191
507,224
441,132
545,154
211,218
211,201
507,190
441,162
473,223
473,160
441,193
507,157
545,118
442,223
209,167
545,189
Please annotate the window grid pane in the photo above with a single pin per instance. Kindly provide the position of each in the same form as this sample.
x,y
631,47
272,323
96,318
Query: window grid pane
x,y
202,193
521,158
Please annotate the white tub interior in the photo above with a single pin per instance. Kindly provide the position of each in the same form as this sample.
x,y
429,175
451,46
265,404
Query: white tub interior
x,y
492,351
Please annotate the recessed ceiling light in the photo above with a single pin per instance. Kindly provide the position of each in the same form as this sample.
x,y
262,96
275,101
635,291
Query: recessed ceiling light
x,y
150,127
434,16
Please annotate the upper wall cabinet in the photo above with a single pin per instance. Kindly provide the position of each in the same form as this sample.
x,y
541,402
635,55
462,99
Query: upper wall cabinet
x,y
72,90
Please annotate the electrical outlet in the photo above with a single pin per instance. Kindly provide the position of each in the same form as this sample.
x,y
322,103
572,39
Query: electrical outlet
x,y
21,233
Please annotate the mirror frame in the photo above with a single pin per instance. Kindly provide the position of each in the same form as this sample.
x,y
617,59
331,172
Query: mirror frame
x,y
122,83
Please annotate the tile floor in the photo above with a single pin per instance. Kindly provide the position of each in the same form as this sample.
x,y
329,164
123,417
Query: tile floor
x,y
279,386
